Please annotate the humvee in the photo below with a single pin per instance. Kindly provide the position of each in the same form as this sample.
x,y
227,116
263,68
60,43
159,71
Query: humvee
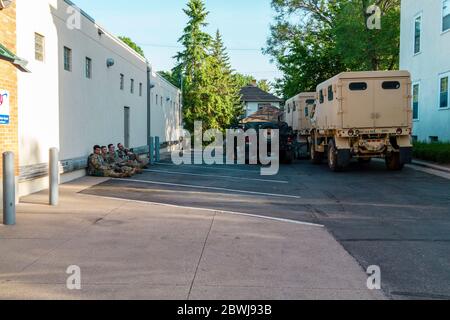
x,y
297,116
298,109
363,115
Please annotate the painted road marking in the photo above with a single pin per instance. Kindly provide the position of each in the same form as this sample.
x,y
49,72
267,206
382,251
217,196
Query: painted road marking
x,y
209,188
206,167
210,210
216,176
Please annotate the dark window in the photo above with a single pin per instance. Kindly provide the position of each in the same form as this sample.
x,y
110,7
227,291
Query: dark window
x,y
434,139
67,59
132,86
156,99
443,101
445,15
358,86
295,107
330,93
321,98
122,81
88,68
306,111
417,34
310,101
416,93
140,89
391,85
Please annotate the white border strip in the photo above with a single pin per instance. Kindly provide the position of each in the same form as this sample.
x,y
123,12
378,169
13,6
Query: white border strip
x,y
203,166
214,176
209,210
208,188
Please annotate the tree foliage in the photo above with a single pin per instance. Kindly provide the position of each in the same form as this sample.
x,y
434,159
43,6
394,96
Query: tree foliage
x,y
133,45
312,40
210,93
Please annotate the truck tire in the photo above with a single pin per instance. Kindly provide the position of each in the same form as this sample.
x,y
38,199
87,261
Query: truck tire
x,y
333,159
393,162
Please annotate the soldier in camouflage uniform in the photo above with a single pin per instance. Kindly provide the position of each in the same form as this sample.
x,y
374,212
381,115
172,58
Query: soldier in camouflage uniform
x,y
98,168
130,158
112,159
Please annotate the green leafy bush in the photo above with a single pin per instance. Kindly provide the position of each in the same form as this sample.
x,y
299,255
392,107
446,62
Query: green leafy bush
x,y
437,151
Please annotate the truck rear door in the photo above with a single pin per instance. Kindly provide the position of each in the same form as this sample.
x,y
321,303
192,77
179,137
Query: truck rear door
x,y
391,102
358,103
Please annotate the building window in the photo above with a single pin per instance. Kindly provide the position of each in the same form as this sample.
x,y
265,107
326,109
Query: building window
x,y
140,89
330,93
161,100
417,34
39,47
444,88
88,68
434,139
67,59
132,86
415,106
445,15
122,81
156,99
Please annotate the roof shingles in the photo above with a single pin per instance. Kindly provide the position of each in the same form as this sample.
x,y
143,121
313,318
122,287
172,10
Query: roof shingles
x,y
254,94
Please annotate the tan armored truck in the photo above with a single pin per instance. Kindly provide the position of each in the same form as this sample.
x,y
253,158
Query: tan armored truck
x,y
298,111
363,115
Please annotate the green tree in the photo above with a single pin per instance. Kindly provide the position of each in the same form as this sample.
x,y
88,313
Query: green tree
x,y
172,77
242,80
192,64
133,45
224,90
313,40
264,85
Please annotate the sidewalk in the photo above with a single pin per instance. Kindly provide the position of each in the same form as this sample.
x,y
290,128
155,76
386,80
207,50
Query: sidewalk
x,y
131,250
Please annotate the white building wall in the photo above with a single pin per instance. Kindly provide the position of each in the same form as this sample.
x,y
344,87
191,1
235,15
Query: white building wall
x,y
67,110
427,66
166,109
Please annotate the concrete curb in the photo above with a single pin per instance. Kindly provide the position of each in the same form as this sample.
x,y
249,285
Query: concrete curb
x,y
431,166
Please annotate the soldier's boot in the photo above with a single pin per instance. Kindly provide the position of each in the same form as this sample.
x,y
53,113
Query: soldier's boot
x,y
112,174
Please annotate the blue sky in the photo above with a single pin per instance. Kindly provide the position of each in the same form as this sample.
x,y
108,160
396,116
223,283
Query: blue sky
x,y
156,25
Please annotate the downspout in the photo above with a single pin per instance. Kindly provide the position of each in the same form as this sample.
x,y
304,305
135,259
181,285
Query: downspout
x,y
149,110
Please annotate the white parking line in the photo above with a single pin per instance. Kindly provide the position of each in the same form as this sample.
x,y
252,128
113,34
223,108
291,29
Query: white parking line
x,y
211,210
209,188
205,167
215,176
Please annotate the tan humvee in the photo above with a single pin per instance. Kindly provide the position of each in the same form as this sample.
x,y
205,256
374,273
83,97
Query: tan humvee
x,y
363,115
297,112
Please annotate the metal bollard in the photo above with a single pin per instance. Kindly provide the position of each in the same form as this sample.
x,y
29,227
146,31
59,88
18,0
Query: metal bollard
x,y
9,190
53,174
152,150
157,150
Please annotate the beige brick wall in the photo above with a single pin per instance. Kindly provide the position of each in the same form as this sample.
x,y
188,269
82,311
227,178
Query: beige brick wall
x,y
8,81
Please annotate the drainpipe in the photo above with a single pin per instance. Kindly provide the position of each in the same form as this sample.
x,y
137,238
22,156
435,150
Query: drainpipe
x,y
149,114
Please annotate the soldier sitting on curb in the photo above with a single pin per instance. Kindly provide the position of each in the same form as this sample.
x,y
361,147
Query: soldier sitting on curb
x,y
112,159
97,167
130,158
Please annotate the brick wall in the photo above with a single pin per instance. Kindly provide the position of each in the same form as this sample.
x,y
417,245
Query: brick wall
x,y
8,81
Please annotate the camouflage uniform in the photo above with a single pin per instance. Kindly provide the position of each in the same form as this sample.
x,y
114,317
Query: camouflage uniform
x,y
114,161
98,168
123,157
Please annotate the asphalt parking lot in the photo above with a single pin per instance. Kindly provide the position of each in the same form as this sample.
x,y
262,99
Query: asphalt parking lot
x,y
399,221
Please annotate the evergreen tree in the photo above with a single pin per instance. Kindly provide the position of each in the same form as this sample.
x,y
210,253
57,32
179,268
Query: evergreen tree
x,y
192,65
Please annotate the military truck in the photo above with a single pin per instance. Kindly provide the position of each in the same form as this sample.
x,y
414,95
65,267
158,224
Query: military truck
x,y
297,116
363,115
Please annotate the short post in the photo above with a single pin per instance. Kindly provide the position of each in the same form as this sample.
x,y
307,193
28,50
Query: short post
x,y
152,150
53,174
157,150
9,190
